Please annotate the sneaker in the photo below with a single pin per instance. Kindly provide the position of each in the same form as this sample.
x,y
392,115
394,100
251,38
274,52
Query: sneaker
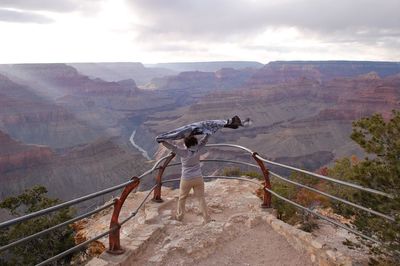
x,y
176,218
234,123
208,221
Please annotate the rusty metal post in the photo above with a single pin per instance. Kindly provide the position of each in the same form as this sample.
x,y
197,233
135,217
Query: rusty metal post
x,y
157,190
114,237
267,196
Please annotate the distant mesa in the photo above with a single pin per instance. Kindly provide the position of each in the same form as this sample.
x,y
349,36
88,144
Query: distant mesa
x,y
289,71
122,71
207,66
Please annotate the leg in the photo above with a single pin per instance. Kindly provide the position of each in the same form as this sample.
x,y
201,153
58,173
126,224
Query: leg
x,y
197,128
175,134
184,189
212,126
198,188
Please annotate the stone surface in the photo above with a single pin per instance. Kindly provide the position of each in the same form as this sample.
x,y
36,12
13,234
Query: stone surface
x,y
97,262
241,232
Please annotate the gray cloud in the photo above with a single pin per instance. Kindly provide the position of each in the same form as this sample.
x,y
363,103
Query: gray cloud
x,y
23,17
52,5
360,20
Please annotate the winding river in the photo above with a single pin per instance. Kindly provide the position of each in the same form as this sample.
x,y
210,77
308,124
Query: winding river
x,y
143,151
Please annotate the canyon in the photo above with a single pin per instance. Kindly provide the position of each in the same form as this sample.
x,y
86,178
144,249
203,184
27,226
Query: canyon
x,y
71,127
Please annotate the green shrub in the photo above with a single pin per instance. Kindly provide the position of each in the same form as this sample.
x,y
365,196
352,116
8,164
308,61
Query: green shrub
x,y
380,139
44,247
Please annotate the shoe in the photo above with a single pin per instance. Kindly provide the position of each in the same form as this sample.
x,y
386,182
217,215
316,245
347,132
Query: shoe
x,y
176,218
208,221
234,123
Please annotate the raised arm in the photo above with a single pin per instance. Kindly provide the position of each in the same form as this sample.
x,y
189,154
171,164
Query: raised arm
x,y
203,141
173,148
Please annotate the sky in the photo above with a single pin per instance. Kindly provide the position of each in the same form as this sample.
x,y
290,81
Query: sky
x,y
156,31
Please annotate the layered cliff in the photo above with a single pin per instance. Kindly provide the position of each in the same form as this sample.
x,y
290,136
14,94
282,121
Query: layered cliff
x,y
207,66
225,78
58,80
31,118
289,71
302,113
122,71
74,117
78,171
300,116
16,155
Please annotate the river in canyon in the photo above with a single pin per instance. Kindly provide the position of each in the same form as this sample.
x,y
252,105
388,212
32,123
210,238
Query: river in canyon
x,y
143,151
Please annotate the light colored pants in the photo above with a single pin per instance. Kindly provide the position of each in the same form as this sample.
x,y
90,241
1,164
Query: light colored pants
x,y
186,185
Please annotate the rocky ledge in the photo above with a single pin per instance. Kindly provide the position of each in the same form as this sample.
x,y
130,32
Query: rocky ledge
x,y
242,233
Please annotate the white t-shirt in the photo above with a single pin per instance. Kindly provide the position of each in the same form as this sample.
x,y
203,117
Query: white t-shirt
x,y
190,157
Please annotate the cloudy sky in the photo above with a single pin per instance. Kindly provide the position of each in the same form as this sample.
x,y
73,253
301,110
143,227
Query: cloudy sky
x,y
153,31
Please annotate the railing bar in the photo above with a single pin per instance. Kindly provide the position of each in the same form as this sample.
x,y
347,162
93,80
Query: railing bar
x,y
170,180
304,186
218,160
309,188
234,177
75,248
155,165
146,173
323,217
305,171
63,205
229,161
22,240
230,145
140,206
327,178
334,197
217,177
171,164
77,200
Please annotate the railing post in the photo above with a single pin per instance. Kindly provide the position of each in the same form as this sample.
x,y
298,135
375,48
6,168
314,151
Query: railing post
x,y
267,184
157,190
114,236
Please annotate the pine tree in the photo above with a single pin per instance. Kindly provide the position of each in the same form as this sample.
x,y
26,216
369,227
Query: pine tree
x,y
44,247
380,170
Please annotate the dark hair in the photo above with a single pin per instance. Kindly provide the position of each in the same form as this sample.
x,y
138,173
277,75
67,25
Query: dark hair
x,y
190,141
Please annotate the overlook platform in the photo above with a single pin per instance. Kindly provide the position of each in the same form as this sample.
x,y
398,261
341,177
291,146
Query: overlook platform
x,y
242,234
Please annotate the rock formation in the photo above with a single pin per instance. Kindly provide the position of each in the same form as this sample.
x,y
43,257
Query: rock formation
x,y
300,110
122,71
15,155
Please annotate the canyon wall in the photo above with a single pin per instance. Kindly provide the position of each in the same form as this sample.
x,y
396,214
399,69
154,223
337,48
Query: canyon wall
x,y
70,132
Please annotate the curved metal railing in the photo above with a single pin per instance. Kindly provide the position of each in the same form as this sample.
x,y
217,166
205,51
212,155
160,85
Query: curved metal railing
x,y
341,182
129,186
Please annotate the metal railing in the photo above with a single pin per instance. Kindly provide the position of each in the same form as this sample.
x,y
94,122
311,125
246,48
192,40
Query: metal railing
x,y
132,184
